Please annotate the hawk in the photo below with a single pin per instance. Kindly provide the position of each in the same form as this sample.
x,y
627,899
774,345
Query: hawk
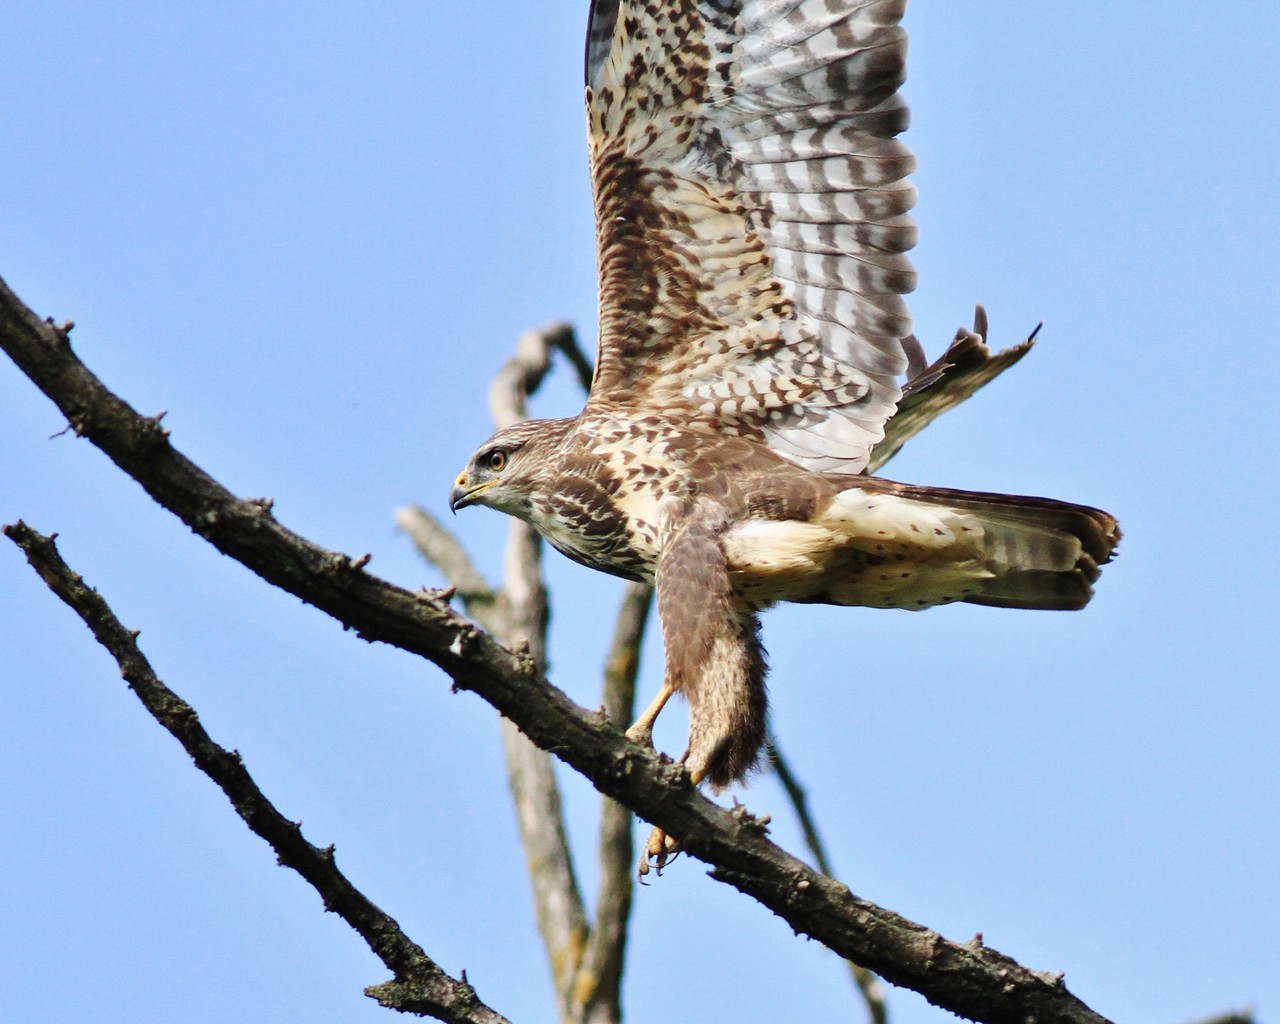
x,y
756,362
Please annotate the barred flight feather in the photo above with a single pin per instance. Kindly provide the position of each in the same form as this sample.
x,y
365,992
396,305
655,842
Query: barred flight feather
x,y
767,188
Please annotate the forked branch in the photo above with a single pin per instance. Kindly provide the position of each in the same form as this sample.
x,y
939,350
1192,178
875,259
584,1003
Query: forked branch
x,y
585,956
420,986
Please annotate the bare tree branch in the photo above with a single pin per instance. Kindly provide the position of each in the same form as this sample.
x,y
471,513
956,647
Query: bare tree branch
x,y
596,989
967,978
439,546
520,375
517,615
586,960
558,906
599,984
520,618
421,986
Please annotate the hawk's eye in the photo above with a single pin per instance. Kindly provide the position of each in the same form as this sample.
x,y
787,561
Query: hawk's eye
x,y
497,460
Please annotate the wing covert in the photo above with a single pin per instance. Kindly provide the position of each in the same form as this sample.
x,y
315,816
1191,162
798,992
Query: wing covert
x,y
751,209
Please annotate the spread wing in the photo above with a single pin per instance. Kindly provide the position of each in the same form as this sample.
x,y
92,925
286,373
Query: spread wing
x,y
751,210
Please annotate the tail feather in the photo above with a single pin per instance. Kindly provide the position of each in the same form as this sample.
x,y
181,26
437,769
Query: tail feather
x,y
1041,553
914,547
1097,531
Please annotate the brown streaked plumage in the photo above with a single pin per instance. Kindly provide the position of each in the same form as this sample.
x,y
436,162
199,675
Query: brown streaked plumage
x,y
751,209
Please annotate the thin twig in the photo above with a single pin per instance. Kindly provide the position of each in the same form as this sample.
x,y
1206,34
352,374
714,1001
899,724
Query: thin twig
x,y
868,985
558,905
968,979
520,376
422,986
622,664
439,546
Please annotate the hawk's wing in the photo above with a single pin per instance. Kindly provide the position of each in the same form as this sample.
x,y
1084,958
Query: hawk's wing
x,y
751,217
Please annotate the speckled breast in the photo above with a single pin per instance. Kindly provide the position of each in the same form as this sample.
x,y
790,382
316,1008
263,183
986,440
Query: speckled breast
x,y
615,481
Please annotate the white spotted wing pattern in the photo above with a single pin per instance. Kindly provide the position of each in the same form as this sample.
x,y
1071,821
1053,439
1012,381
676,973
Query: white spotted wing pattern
x,y
751,202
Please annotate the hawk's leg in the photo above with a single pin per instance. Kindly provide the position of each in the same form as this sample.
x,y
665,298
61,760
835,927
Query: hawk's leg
x,y
714,658
659,847
642,731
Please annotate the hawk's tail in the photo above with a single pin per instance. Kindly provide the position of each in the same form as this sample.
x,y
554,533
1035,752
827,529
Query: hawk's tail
x,y
1031,552
891,545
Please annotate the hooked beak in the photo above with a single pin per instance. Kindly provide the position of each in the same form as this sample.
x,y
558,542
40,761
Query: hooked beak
x,y
461,495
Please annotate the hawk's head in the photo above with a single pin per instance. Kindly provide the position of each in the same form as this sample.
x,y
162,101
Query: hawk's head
x,y
509,468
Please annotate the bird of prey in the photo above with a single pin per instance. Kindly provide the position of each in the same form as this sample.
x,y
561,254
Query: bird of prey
x,y
756,362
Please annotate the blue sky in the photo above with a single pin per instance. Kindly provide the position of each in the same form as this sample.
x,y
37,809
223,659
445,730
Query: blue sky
x,y
312,234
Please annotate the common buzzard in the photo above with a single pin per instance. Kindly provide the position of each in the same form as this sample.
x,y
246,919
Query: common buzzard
x,y
756,361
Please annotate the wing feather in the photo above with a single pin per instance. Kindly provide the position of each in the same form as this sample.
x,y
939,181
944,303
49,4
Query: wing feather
x,y
751,210
874,209
893,236
601,23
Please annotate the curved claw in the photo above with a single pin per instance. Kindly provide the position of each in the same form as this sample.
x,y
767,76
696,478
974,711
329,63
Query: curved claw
x,y
659,850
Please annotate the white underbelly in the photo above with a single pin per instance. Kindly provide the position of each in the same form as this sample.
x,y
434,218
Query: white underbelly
x,y
775,561
877,550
